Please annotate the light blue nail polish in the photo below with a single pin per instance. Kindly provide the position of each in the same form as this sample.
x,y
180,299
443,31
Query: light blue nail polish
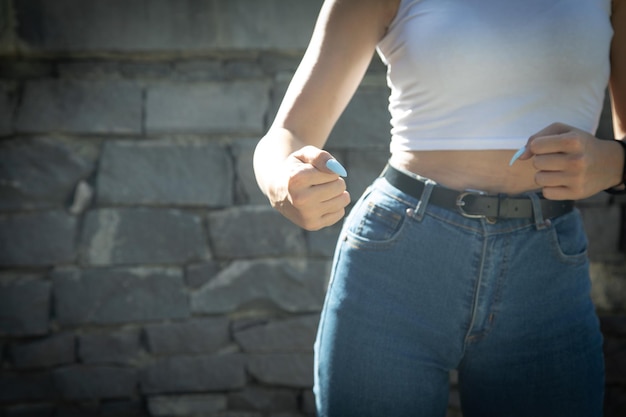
x,y
336,167
517,155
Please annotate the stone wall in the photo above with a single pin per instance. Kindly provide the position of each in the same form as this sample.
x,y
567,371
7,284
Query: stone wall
x,y
142,272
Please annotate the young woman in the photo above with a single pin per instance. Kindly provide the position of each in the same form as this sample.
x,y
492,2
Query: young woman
x,y
458,257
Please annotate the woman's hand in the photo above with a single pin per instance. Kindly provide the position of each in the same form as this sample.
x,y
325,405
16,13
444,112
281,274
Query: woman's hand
x,y
307,192
572,164
289,164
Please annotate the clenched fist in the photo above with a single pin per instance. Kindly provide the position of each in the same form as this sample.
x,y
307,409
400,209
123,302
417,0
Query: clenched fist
x,y
572,164
307,192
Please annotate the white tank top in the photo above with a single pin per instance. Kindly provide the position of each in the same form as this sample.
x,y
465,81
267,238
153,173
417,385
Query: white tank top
x,y
487,74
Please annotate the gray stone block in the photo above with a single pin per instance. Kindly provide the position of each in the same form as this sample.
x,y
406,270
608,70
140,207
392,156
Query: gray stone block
x,y
247,187
123,408
615,360
8,100
276,63
364,166
165,26
53,351
201,69
268,24
77,409
225,68
95,382
141,25
603,232
111,296
98,69
188,374
142,236
614,401
170,173
366,119
26,69
206,335
80,107
613,325
199,274
88,69
264,399
238,106
287,369
323,242
24,307
30,410
186,405
243,68
146,70
308,403
15,388
608,286
118,347
296,287
254,231
290,335
82,198
7,28
279,88
237,413
37,239
42,173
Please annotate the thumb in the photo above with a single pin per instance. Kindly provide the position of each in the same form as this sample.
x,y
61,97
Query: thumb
x,y
322,160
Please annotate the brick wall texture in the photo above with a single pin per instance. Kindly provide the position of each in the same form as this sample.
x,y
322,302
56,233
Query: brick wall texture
x,y
142,273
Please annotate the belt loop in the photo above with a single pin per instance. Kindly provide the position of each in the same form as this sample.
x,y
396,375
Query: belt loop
x,y
540,222
420,210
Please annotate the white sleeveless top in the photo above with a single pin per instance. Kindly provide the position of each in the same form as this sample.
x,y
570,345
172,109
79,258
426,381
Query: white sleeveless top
x,y
487,74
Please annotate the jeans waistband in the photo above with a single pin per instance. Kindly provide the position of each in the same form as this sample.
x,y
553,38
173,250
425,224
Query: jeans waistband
x,y
477,204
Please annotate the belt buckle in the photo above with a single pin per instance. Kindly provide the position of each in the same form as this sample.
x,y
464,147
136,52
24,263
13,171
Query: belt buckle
x,y
460,203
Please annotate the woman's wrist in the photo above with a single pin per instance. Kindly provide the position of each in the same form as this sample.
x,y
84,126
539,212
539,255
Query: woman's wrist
x,y
621,187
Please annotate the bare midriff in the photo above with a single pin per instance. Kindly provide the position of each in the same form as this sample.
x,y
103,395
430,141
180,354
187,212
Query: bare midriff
x,y
487,171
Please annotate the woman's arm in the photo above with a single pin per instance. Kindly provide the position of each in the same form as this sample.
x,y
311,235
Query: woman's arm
x,y
288,163
572,164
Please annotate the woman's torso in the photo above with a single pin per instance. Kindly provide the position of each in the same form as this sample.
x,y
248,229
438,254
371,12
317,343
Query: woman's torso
x,y
479,77
487,171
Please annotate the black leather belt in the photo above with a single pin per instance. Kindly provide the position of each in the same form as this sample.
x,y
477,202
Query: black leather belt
x,y
475,204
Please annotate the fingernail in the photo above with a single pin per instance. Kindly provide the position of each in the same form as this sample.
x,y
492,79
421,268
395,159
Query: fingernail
x,y
336,167
517,155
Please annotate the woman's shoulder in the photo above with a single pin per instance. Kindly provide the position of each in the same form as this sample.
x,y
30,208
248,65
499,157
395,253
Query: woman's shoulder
x,y
368,15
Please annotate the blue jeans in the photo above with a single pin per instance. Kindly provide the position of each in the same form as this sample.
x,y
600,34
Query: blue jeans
x,y
417,290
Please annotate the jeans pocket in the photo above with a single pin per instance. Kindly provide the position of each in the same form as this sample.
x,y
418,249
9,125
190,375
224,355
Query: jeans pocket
x,y
569,238
377,220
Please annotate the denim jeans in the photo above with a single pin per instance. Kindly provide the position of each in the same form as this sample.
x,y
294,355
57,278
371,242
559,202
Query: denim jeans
x,y
417,290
